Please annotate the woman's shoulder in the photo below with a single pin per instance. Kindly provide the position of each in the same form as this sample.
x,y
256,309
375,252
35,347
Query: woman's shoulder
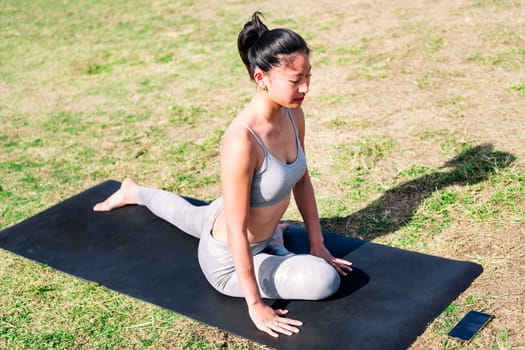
x,y
298,116
245,116
239,134
239,147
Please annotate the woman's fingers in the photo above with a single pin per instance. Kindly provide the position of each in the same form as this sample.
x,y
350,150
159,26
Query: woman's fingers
x,y
342,266
272,321
284,325
284,328
289,321
280,312
271,332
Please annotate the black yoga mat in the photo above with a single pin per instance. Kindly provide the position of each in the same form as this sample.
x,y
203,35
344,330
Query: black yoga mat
x,y
385,303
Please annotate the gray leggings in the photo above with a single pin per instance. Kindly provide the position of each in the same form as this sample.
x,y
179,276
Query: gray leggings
x,y
292,276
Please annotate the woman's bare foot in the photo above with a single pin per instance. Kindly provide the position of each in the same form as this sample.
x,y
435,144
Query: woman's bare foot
x,y
276,244
126,194
278,233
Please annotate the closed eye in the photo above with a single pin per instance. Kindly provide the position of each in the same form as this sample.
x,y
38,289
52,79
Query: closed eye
x,y
307,76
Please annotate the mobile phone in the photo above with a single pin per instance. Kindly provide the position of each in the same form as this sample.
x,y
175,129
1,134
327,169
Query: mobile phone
x,y
469,325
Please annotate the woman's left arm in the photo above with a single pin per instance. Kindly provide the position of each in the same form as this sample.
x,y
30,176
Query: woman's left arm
x,y
305,199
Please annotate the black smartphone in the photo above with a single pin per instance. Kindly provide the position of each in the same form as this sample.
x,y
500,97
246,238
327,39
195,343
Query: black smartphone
x,y
469,325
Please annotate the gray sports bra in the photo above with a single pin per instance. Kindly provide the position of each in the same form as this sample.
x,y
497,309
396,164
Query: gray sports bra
x,y
275,179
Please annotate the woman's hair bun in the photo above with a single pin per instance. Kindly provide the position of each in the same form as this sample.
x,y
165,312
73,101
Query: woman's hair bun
x,y
260,47
250,33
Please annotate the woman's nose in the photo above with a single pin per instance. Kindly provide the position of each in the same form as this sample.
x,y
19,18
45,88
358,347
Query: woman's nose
x,y
303,89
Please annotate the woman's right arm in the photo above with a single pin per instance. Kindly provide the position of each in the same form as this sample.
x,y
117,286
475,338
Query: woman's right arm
x,y
237,167
238,164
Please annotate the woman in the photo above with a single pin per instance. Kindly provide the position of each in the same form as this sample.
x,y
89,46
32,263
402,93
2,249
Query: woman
x,y
262,161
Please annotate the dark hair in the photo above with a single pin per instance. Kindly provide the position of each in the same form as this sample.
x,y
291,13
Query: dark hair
x,y
260,47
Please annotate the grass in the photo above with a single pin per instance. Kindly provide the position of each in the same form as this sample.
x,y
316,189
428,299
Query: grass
x,y
414,140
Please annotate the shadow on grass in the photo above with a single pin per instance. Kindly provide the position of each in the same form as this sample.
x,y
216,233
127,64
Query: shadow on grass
x,y
397,206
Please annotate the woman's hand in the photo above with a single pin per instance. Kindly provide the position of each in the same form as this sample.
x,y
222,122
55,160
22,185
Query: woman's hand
x,y
271,321
342,266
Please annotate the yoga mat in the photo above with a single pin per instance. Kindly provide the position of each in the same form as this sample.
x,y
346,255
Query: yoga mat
x,y
386,303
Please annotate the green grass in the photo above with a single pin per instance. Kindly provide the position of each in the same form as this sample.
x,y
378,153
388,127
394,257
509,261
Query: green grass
x,y
518,88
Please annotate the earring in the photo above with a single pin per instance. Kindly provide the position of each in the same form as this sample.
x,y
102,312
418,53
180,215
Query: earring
x,y
263,87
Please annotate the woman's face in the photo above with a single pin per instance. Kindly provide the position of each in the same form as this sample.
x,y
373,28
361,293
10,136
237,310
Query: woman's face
x,y
289,83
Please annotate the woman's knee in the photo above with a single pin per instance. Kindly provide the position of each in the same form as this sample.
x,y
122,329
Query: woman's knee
x,y
319,279
326,283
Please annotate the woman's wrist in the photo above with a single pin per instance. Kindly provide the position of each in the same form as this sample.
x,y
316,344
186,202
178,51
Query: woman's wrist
x,y
316,239
316,244
254,303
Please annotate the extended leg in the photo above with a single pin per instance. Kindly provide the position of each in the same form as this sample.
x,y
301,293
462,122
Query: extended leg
x,y
176,210
191,219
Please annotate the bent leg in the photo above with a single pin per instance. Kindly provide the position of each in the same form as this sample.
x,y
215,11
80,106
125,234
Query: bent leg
x,y
304,277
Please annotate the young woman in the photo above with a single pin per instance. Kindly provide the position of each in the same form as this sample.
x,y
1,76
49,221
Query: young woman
x,y
262,162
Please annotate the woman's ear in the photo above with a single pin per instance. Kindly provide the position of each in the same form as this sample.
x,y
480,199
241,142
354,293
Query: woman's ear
x,y
260,78
258,75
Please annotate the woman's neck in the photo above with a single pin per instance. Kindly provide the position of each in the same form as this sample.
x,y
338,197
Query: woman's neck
x,y
267,109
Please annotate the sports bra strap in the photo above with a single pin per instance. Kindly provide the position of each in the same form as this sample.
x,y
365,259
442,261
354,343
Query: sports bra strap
x,y
293,123
251,132
257,137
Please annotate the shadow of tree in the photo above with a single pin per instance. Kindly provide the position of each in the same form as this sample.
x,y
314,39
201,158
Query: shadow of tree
x,y
397,206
